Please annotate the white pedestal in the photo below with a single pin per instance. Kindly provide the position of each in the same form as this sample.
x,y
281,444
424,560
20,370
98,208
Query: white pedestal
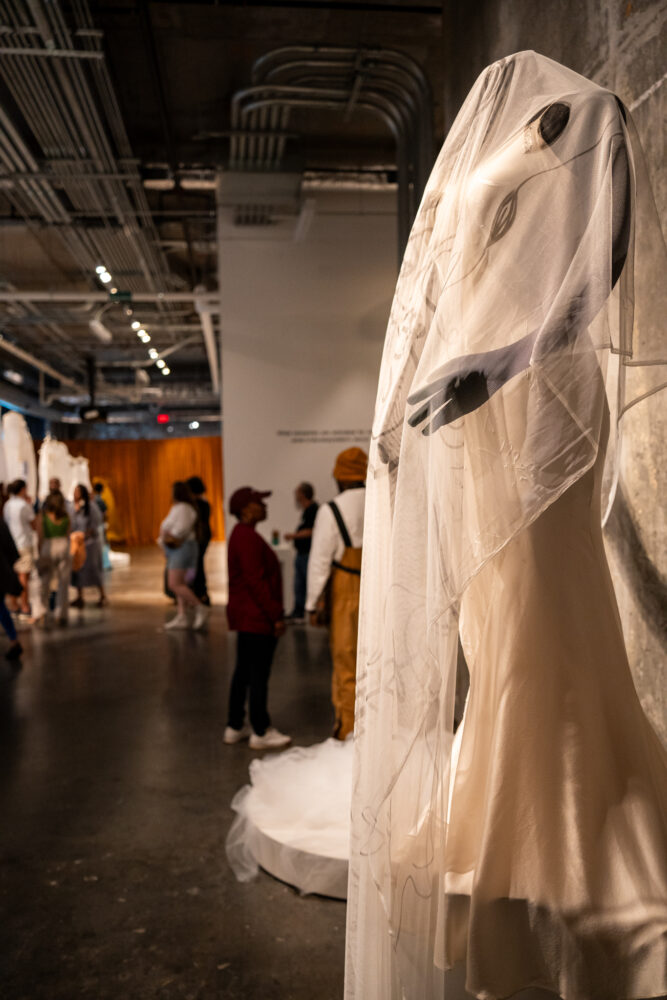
x,y
285,553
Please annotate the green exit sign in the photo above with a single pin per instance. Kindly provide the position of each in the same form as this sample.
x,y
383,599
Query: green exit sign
x,y
120,296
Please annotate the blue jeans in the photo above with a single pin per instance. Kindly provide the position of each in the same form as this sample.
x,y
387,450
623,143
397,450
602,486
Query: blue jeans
x,y
300,578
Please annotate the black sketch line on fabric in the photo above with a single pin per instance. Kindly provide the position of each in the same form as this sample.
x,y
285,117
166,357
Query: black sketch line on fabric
x,y
507,210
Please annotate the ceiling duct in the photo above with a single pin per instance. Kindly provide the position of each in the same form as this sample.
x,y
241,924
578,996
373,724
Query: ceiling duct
x,y
258,199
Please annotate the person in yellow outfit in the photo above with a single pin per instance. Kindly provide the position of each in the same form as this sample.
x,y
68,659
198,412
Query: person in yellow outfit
x,y
335,560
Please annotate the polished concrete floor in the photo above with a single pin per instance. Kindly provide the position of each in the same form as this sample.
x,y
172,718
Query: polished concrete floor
x,y
114,805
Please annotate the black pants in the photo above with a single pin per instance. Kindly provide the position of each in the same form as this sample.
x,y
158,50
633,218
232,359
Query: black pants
x,y
254,654
199,583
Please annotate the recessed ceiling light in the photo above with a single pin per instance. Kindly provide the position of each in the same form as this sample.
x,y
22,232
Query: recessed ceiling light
x,y
152,353
136,325
166,371
105,278
101,269
160,363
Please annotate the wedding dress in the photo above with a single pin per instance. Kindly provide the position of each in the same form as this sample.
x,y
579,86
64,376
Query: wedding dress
x,y
532,847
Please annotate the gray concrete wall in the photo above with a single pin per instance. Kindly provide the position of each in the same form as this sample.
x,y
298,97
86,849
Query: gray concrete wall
x,y
622,45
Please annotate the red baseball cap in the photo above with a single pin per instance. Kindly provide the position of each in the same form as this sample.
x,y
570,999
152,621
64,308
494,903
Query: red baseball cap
x,y
240,498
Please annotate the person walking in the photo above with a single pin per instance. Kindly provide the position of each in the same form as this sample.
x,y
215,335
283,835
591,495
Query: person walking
x,y
20,519
178,538
198,490
255,612
53,528
335,561
304,496
87,519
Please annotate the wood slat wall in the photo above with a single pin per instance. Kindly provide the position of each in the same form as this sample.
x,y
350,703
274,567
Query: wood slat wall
x,y
141,473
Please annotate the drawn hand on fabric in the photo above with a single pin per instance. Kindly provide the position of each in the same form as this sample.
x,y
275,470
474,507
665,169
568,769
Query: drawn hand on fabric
x,y
464,384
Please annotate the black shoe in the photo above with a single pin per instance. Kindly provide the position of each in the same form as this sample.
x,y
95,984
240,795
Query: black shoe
x,y
14,652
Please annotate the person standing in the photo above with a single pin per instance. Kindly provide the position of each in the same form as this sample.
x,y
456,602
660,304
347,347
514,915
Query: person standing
x,y
335,560
255,612
9,584
304,496
178,537
98,490
53,528
20,519
87,519
198,490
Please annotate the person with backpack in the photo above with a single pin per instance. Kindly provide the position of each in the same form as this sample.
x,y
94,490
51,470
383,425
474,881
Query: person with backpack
x,y
334,576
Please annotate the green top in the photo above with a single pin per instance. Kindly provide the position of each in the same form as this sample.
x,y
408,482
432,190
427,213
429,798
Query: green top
x,y
55,529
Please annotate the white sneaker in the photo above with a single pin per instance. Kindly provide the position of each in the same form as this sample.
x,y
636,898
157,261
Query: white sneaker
x,y
271,740
180,621
201,616
232,735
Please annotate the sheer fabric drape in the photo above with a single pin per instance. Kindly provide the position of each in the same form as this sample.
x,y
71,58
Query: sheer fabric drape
x,y
517,339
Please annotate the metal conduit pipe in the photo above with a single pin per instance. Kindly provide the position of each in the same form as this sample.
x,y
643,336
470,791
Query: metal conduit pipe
x,y
377,77
403,66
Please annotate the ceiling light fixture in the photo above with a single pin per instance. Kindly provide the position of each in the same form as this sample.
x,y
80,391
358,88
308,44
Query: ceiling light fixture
x,y
136,325
105,278
194,425
160,363
100,269
152,353
166,371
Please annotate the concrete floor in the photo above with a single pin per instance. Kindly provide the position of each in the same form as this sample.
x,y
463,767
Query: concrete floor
x,y
114,797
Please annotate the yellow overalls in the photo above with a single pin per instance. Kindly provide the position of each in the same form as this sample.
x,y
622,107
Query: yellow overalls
x,y
345,583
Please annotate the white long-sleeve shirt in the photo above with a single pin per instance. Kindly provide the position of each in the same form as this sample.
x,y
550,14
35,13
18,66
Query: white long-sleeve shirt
x,y
180,522
327,543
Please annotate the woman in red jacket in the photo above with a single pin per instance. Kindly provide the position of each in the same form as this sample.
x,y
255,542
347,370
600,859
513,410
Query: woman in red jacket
x,y
255,611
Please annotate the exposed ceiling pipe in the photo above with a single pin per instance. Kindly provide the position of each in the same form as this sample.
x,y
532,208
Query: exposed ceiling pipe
x,y
148,363
76,128
208,332
46,296
18,352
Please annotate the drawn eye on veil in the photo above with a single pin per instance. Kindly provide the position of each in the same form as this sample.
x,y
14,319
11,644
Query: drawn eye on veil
x,y
505,216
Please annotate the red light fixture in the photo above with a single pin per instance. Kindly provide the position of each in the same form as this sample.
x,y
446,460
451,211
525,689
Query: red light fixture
x,y
163,418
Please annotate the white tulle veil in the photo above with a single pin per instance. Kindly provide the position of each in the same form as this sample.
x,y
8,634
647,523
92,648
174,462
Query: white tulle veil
x,y
525,311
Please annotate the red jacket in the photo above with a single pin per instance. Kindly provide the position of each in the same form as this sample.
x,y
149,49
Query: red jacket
x,y
255,583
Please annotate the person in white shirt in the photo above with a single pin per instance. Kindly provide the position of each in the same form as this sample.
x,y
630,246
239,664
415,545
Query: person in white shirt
x,y
20,519
335,558
178,538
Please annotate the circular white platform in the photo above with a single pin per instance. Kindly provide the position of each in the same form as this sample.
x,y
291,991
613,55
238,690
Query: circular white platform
x,y
293,819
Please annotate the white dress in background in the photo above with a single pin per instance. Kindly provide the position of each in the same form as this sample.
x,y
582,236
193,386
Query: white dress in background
x,y
531,850
19,451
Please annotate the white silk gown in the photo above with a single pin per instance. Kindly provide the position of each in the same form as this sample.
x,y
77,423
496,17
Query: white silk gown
x,y
530,849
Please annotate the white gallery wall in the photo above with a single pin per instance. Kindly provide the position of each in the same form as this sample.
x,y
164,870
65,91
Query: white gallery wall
x,y
303,322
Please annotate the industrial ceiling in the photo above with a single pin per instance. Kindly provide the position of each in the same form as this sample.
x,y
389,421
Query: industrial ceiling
x,y
128,128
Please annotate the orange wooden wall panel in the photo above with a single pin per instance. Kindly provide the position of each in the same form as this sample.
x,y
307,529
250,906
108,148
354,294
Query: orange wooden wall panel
x,y
141,472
